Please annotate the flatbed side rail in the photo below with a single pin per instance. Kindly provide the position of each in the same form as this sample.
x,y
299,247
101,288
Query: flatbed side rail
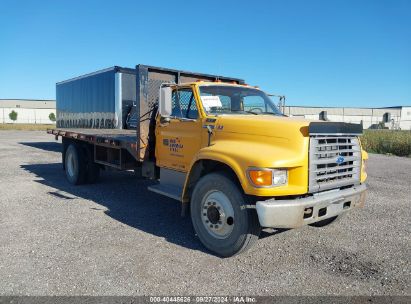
x,y
118,140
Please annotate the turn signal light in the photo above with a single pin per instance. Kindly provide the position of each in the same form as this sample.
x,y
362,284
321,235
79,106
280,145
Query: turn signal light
x,y
261,178
266,177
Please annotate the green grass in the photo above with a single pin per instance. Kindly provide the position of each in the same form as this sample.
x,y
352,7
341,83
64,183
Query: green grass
x,y
26,127
387,142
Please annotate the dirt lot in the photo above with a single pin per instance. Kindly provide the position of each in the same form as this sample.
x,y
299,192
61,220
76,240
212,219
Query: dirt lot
x,y
116,238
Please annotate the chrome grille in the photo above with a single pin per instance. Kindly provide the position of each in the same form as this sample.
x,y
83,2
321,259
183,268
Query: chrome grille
x,y
335,161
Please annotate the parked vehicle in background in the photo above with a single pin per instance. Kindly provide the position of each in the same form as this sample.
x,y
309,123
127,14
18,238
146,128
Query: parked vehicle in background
x,y
217,145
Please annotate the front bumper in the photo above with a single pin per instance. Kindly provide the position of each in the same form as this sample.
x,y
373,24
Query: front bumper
x,y
299,212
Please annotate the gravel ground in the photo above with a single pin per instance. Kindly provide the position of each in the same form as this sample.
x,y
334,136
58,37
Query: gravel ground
x,y
116,238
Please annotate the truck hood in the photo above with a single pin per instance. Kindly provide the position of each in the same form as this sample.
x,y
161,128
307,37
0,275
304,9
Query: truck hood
x,y
263,141
263,125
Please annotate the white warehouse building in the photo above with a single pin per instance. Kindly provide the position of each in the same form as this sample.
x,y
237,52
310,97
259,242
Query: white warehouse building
x,y
392,117
29,111
38,111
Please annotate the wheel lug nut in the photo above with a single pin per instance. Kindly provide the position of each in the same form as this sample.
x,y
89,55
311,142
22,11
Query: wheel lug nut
x,y
216,226
211,226
207,221
220,222
214,203
204,214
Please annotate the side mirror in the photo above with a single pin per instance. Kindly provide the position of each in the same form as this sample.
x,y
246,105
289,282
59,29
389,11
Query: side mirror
x,y
164,106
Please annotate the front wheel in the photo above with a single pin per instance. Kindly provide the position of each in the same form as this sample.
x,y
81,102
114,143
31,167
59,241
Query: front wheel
x,y
223,220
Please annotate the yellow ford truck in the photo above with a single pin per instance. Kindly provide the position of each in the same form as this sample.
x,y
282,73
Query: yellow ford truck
x,y
220,147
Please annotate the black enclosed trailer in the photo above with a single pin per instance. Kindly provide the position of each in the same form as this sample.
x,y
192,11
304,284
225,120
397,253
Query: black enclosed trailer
x,y
95,110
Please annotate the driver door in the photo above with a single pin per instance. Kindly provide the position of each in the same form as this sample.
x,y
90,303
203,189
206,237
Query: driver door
x,y
179,139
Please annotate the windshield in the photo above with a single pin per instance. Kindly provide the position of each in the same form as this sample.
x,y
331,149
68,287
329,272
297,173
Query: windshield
x,y
220,99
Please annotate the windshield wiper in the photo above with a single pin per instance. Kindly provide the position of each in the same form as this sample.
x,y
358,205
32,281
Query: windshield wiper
x,y
272,113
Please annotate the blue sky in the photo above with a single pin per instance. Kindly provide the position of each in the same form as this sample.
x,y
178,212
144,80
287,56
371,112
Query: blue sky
x,y
322,53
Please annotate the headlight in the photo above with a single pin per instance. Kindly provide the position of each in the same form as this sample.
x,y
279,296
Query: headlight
x,y
264,177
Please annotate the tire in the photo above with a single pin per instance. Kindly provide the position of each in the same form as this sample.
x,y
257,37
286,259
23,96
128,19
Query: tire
x,y
221,217
325,222
74,162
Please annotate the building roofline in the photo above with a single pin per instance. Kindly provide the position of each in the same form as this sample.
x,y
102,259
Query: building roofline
x,y
26,99
394,107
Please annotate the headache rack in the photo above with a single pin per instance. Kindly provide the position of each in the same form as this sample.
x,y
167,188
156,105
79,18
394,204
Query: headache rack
x,y
334,158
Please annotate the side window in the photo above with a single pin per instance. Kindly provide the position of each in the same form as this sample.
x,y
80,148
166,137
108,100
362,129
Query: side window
x,y
225,101
254,102
184,104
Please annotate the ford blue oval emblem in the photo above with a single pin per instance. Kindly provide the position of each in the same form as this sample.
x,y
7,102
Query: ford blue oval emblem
x,y
340,160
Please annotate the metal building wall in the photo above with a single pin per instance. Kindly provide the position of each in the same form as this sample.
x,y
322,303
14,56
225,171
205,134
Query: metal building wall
x,y
28,103
405,122
27,116
368,116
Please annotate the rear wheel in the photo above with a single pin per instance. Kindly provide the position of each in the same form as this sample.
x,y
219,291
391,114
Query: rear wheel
x,y
221,216
75,165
